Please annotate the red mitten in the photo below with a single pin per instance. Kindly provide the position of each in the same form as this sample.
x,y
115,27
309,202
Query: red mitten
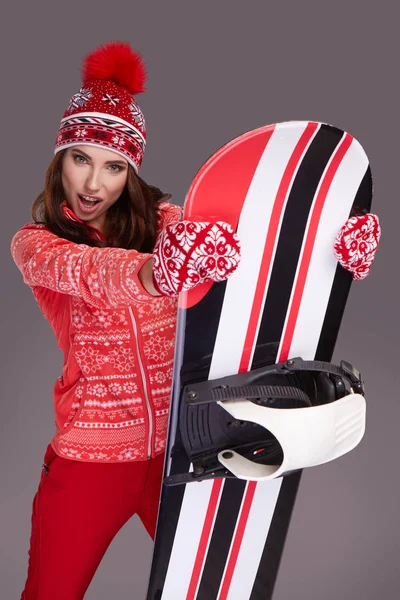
x,y
190,252
356,244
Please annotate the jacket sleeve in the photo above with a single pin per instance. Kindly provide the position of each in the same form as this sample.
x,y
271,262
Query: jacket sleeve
x,y
102,277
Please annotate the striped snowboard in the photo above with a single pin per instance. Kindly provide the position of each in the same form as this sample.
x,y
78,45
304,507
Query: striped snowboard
x,y
287,188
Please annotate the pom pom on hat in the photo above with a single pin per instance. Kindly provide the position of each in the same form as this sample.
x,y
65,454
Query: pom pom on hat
x,y
118,62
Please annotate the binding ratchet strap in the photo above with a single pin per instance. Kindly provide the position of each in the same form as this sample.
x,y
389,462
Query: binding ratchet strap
x,y
259,391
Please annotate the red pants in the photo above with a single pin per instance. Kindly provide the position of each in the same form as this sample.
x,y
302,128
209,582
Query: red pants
x,y
77,510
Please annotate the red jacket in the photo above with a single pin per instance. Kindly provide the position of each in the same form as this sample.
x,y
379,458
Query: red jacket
x,y
111,401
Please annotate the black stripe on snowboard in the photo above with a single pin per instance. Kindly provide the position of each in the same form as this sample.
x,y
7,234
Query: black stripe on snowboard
x,y
202,321
225,523
291,235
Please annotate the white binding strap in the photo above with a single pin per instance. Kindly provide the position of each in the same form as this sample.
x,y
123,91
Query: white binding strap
x,y
308,436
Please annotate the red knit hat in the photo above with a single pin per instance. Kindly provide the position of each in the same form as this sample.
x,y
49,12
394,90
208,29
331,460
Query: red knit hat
x,y
104,111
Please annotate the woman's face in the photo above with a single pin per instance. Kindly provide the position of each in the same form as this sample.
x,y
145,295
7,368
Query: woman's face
x,y
93,179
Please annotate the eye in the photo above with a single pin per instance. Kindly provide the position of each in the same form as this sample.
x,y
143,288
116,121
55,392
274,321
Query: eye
x,y
77,158
116,168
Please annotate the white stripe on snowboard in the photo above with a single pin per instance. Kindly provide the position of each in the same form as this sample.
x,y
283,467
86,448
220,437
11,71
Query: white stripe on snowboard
x,y
323,264
187,538
252,231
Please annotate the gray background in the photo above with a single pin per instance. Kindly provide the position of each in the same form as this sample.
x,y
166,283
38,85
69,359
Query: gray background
x,y
216,69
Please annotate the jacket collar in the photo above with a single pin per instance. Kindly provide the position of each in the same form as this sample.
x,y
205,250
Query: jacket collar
x,y
69,213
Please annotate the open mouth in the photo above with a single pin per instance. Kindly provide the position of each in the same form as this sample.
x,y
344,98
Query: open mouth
x,y
87,203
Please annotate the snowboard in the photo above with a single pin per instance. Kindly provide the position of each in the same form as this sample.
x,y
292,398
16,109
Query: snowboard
x,y
286,189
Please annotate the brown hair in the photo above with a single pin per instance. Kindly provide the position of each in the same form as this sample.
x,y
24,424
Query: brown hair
x,y
130,223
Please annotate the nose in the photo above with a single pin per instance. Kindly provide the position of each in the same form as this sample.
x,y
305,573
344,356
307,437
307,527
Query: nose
x,y
93,183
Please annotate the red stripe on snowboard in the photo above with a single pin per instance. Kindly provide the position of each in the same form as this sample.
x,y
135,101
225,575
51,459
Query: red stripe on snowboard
x,y
309,245
204,539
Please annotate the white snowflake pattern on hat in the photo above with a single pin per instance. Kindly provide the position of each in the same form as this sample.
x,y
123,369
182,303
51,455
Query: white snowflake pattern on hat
x,y
137,113
118,140
80,98
113,100
81,133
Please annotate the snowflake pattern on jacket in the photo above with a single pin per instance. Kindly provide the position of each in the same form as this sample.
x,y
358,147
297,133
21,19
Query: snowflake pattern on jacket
x,y
112,400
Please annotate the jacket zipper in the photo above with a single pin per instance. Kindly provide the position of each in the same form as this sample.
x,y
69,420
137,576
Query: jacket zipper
x,y
144,381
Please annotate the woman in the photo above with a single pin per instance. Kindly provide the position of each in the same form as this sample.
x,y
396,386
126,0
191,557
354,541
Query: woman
x,y
105,258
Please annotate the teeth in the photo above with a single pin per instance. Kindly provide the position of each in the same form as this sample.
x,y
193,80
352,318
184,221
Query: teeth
x,y
88,199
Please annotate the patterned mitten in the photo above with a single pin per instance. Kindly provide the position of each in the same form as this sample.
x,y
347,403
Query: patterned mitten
x,y
356,244
190,252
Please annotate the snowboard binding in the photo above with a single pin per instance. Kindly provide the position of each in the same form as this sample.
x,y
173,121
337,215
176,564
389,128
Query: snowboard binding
x,y
271,421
